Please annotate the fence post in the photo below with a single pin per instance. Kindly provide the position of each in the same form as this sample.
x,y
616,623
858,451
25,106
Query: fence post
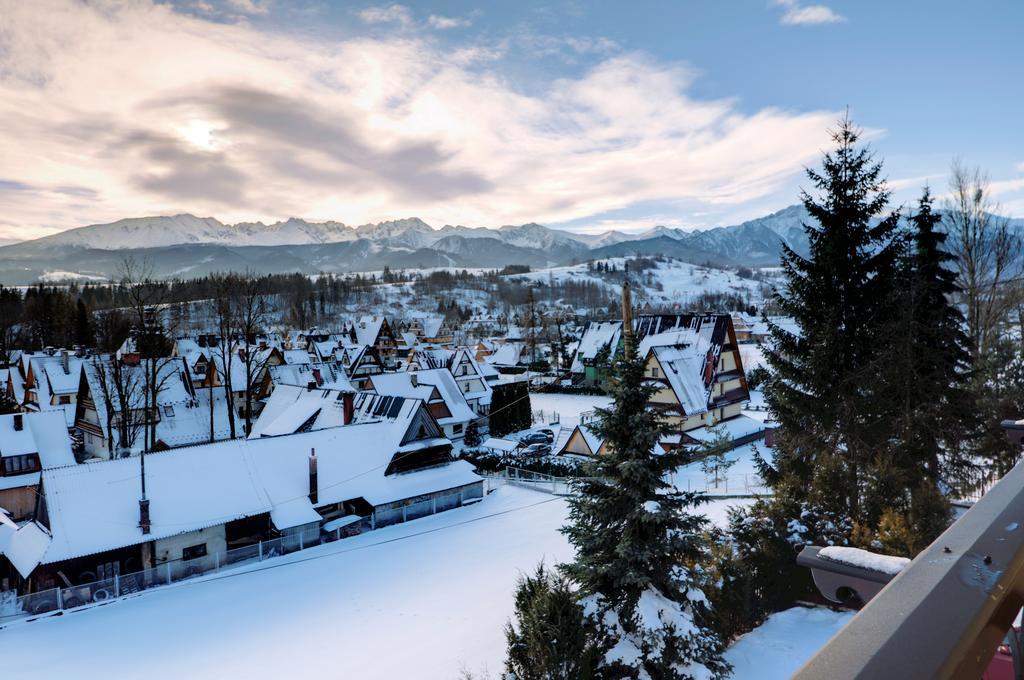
x,y
403,513
261,551
373,520
60,599
433,505
117,585
216,561
168,573
302,540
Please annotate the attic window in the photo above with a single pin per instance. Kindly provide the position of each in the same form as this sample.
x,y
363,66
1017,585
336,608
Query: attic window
x,y
168,410
654,373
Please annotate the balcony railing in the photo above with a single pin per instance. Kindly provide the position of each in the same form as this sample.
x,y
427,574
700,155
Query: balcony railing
x,y
944,615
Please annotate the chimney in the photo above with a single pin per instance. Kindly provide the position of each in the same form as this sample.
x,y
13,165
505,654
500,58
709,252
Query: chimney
x,y
19,422
415,381
64,362
348,408
316,376
144,523
312,476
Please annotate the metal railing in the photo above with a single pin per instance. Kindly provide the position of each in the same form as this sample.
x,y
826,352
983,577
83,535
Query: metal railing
x,y
736,484
52,600
944,615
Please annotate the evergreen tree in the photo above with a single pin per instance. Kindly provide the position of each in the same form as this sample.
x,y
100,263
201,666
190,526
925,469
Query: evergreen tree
x,y
472,436
551,638
638,545
926,376
83,325
834,417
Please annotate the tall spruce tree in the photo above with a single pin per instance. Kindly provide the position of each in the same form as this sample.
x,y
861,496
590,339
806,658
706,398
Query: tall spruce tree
x,y
834,419
637,543
926,375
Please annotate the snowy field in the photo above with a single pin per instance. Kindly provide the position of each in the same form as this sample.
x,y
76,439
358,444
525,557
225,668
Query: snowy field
x,y
778,649
426,599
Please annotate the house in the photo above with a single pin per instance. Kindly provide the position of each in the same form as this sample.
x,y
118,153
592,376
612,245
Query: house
x,y
359,363
112,408
393,464
376,332
430,329
582,441
29,443
437,389
593,355
697,370
469,375
51,383
320,375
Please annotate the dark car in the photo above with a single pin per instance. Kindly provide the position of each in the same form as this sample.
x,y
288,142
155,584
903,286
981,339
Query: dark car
x,y
535,438
547,433
536,450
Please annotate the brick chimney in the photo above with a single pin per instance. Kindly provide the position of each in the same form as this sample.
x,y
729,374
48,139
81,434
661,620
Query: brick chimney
x,y
144,523
348,407
313,486
64,362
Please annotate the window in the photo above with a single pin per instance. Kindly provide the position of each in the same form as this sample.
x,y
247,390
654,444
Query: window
x,y
193,551
168,410
16,465
457,429
654,373
64,399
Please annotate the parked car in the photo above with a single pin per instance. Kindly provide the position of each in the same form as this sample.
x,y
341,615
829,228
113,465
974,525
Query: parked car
x,y
536,450
535,438
547,433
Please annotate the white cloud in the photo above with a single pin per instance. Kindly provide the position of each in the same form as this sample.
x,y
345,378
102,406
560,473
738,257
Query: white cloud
x,y
250,6
128,108
442,22
807,15
387,14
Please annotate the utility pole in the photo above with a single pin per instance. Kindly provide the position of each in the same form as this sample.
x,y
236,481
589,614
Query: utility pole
x,y
627,316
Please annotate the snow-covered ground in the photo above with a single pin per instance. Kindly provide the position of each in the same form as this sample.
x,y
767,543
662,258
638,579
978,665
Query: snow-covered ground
x,y
425,599
779,647
670,282
568,407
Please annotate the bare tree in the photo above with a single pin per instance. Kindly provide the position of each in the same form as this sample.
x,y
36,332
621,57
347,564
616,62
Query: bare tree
x,y
988,258
121,388
147,300
222,302
252,308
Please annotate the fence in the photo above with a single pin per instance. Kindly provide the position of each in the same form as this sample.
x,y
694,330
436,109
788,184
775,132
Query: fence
x,y
13,607
70,597
742,484
747,484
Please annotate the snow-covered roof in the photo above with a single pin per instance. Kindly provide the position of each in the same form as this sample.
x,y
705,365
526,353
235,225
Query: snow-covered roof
x,y
322,374
25,546
735,428
598,335
94,507
44,433
291,408
367,329
442,379
296,356
684,370
498,444
506,355
293,513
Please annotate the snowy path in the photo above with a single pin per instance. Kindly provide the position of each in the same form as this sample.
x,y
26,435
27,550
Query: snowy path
x,y
419,600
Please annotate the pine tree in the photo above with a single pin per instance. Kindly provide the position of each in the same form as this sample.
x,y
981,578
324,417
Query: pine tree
x,y
83,325
834,419
472,436
926,375
638,544
550,637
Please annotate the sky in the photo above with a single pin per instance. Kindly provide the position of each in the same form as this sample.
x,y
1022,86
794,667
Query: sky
x,y
581,115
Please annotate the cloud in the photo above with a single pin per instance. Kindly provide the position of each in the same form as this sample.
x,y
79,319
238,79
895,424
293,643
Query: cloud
x,y
250,6
807,15
387,14
144,110
443,23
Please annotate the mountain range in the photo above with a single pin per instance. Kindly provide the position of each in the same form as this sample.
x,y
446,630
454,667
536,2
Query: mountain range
x,y
187,246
